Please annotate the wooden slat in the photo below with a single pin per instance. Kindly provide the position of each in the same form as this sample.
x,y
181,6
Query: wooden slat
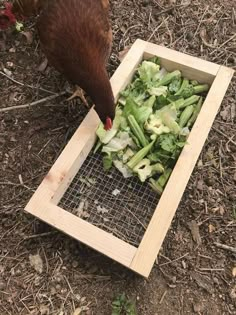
x,y
191,67
83,231
164,213
127,68
60,175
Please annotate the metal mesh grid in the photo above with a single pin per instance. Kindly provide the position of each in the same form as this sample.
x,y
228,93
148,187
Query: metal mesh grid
x,y
92,196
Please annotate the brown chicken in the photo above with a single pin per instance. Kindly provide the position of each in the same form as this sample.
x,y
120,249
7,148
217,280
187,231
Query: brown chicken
x,y
76,38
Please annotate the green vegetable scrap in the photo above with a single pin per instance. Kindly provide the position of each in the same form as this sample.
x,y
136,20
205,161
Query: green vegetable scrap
x,y
159,185
154,117
19,26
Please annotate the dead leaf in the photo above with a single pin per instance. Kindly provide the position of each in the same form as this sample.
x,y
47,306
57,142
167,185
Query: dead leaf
x,y
200,185
3,46
222,210
7,72
10,64
233,293
235,176
29,37
234,272
85,215
78,311
12,50
36,262
42,67
203,282
44,309
233,111
211,228
102,210
204,38
225,114
198,307
194,228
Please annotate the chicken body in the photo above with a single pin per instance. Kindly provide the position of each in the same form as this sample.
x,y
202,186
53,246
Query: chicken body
x,y
76,38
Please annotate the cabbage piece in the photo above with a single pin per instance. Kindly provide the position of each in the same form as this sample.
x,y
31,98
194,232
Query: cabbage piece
x,y
149,71
141,113
106,136
125,171
158,91
118,143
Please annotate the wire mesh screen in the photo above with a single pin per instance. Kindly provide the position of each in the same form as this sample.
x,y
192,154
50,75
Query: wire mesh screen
x,y
119,206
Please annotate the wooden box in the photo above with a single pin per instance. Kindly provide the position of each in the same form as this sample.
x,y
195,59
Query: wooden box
x,y
44,204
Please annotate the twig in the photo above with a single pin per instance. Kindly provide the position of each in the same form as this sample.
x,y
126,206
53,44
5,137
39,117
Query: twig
x,y
228,40
43,100
156,29
180,6
162,298
211,269
226,247
172,261
30,237
168,30
200,23
223,134
26,85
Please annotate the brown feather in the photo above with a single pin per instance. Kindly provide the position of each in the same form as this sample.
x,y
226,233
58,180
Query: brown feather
x,y
76,37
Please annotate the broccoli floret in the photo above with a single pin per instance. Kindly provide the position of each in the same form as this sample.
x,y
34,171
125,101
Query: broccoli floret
x,y
197,89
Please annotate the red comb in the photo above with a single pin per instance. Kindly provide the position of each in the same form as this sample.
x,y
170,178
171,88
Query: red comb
x,y
108,124
7,12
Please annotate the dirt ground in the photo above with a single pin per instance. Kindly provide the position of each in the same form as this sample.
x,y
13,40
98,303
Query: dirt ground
x,y
190,277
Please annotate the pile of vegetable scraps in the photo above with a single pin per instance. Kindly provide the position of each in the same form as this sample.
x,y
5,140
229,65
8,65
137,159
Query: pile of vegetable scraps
x,y
154,117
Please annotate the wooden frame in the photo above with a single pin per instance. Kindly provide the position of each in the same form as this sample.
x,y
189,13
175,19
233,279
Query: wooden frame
x,y
44,202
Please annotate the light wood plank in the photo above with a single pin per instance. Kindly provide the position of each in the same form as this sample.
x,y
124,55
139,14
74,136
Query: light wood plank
x,y
192,67
127,68
83,231
59,176
164,213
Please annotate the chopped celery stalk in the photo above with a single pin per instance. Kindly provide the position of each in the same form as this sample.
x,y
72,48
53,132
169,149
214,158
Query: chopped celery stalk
x,y
140,155
184,84
169,77
189,101
137,130
97,147
107,162
159,185
195,113
186,115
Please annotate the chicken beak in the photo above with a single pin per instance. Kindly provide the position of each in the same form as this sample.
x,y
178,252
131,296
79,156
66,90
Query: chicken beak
x,y
108,124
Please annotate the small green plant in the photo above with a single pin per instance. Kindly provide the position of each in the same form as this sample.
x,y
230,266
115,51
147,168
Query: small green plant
x,y
122,306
